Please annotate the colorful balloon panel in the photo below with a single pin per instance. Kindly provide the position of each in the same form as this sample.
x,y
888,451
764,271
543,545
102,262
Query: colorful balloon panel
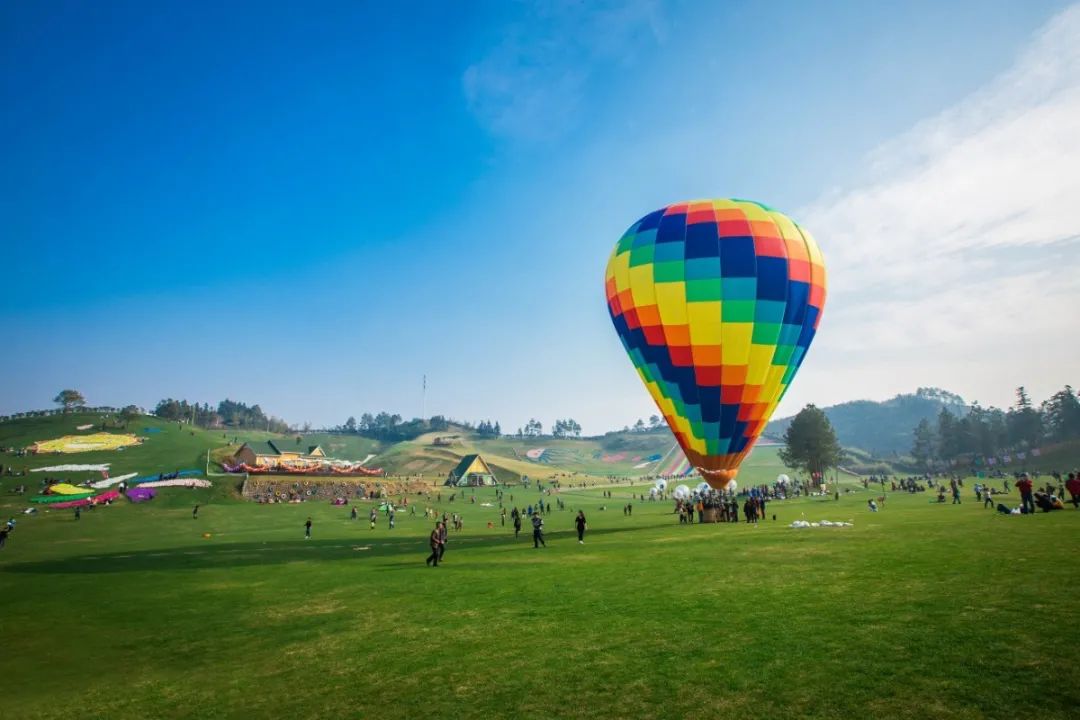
x,y
716,303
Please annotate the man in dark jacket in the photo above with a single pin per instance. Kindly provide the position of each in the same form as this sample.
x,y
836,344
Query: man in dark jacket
x,y
435,541
443,535
538,531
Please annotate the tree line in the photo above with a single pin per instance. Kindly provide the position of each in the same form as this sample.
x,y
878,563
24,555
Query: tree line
x,y
655,423
228,413
986,432
390,427
559,429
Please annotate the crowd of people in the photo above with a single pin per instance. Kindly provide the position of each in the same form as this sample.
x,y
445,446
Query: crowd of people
x,y
276,490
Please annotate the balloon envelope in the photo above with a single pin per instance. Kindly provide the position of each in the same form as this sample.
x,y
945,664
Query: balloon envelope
x,y
782,479
682,492
661,485
716,303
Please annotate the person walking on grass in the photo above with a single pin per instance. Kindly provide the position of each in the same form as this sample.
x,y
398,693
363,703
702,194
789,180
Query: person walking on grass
x,y
538,531
307,529
435,542
1073,486
390,515
3,537
444,535
579,521
195,513
353,514
1027,501
372,517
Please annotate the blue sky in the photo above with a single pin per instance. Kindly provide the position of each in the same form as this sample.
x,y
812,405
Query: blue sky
x,y
310,206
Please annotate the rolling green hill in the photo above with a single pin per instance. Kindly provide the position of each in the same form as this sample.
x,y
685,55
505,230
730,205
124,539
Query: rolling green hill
x,y
168,446
882,428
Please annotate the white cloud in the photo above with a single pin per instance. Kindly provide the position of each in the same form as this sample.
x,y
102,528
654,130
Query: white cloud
x,y
532,85
965,240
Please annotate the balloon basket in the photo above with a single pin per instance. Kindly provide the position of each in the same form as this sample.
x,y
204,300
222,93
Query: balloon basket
x,y
710,515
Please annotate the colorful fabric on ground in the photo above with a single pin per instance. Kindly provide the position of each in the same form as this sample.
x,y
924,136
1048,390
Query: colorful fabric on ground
x,y
54,499
109,482
85,443
67,489
100,467
177,482
141,494
716,302
166,476
83,502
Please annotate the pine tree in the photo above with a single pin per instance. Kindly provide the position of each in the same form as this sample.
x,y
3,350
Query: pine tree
x,y
923,449
810,443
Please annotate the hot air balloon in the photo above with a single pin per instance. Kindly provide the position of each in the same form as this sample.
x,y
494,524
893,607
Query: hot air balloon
x,y
716,303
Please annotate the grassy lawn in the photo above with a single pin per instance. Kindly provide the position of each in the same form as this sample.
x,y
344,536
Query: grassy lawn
x,y
918,611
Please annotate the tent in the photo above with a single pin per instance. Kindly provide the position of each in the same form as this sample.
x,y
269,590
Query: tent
x,y
472,471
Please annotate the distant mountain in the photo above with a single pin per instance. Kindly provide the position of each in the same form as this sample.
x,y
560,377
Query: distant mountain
x,y
882,427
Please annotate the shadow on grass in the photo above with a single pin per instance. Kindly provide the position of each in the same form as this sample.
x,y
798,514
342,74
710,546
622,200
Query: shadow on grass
x,y
282,552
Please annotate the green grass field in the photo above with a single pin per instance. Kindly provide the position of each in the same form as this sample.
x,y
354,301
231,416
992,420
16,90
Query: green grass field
x,y
918,611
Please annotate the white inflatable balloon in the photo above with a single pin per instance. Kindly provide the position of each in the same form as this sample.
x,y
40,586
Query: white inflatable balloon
x,y
732,486
681,492
661,485
703,488
782,479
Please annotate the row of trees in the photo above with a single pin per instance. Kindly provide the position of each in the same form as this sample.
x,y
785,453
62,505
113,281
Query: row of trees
x,y
559,429
70,400
228,413
485,428
655,423
566,428
989,431
390,427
